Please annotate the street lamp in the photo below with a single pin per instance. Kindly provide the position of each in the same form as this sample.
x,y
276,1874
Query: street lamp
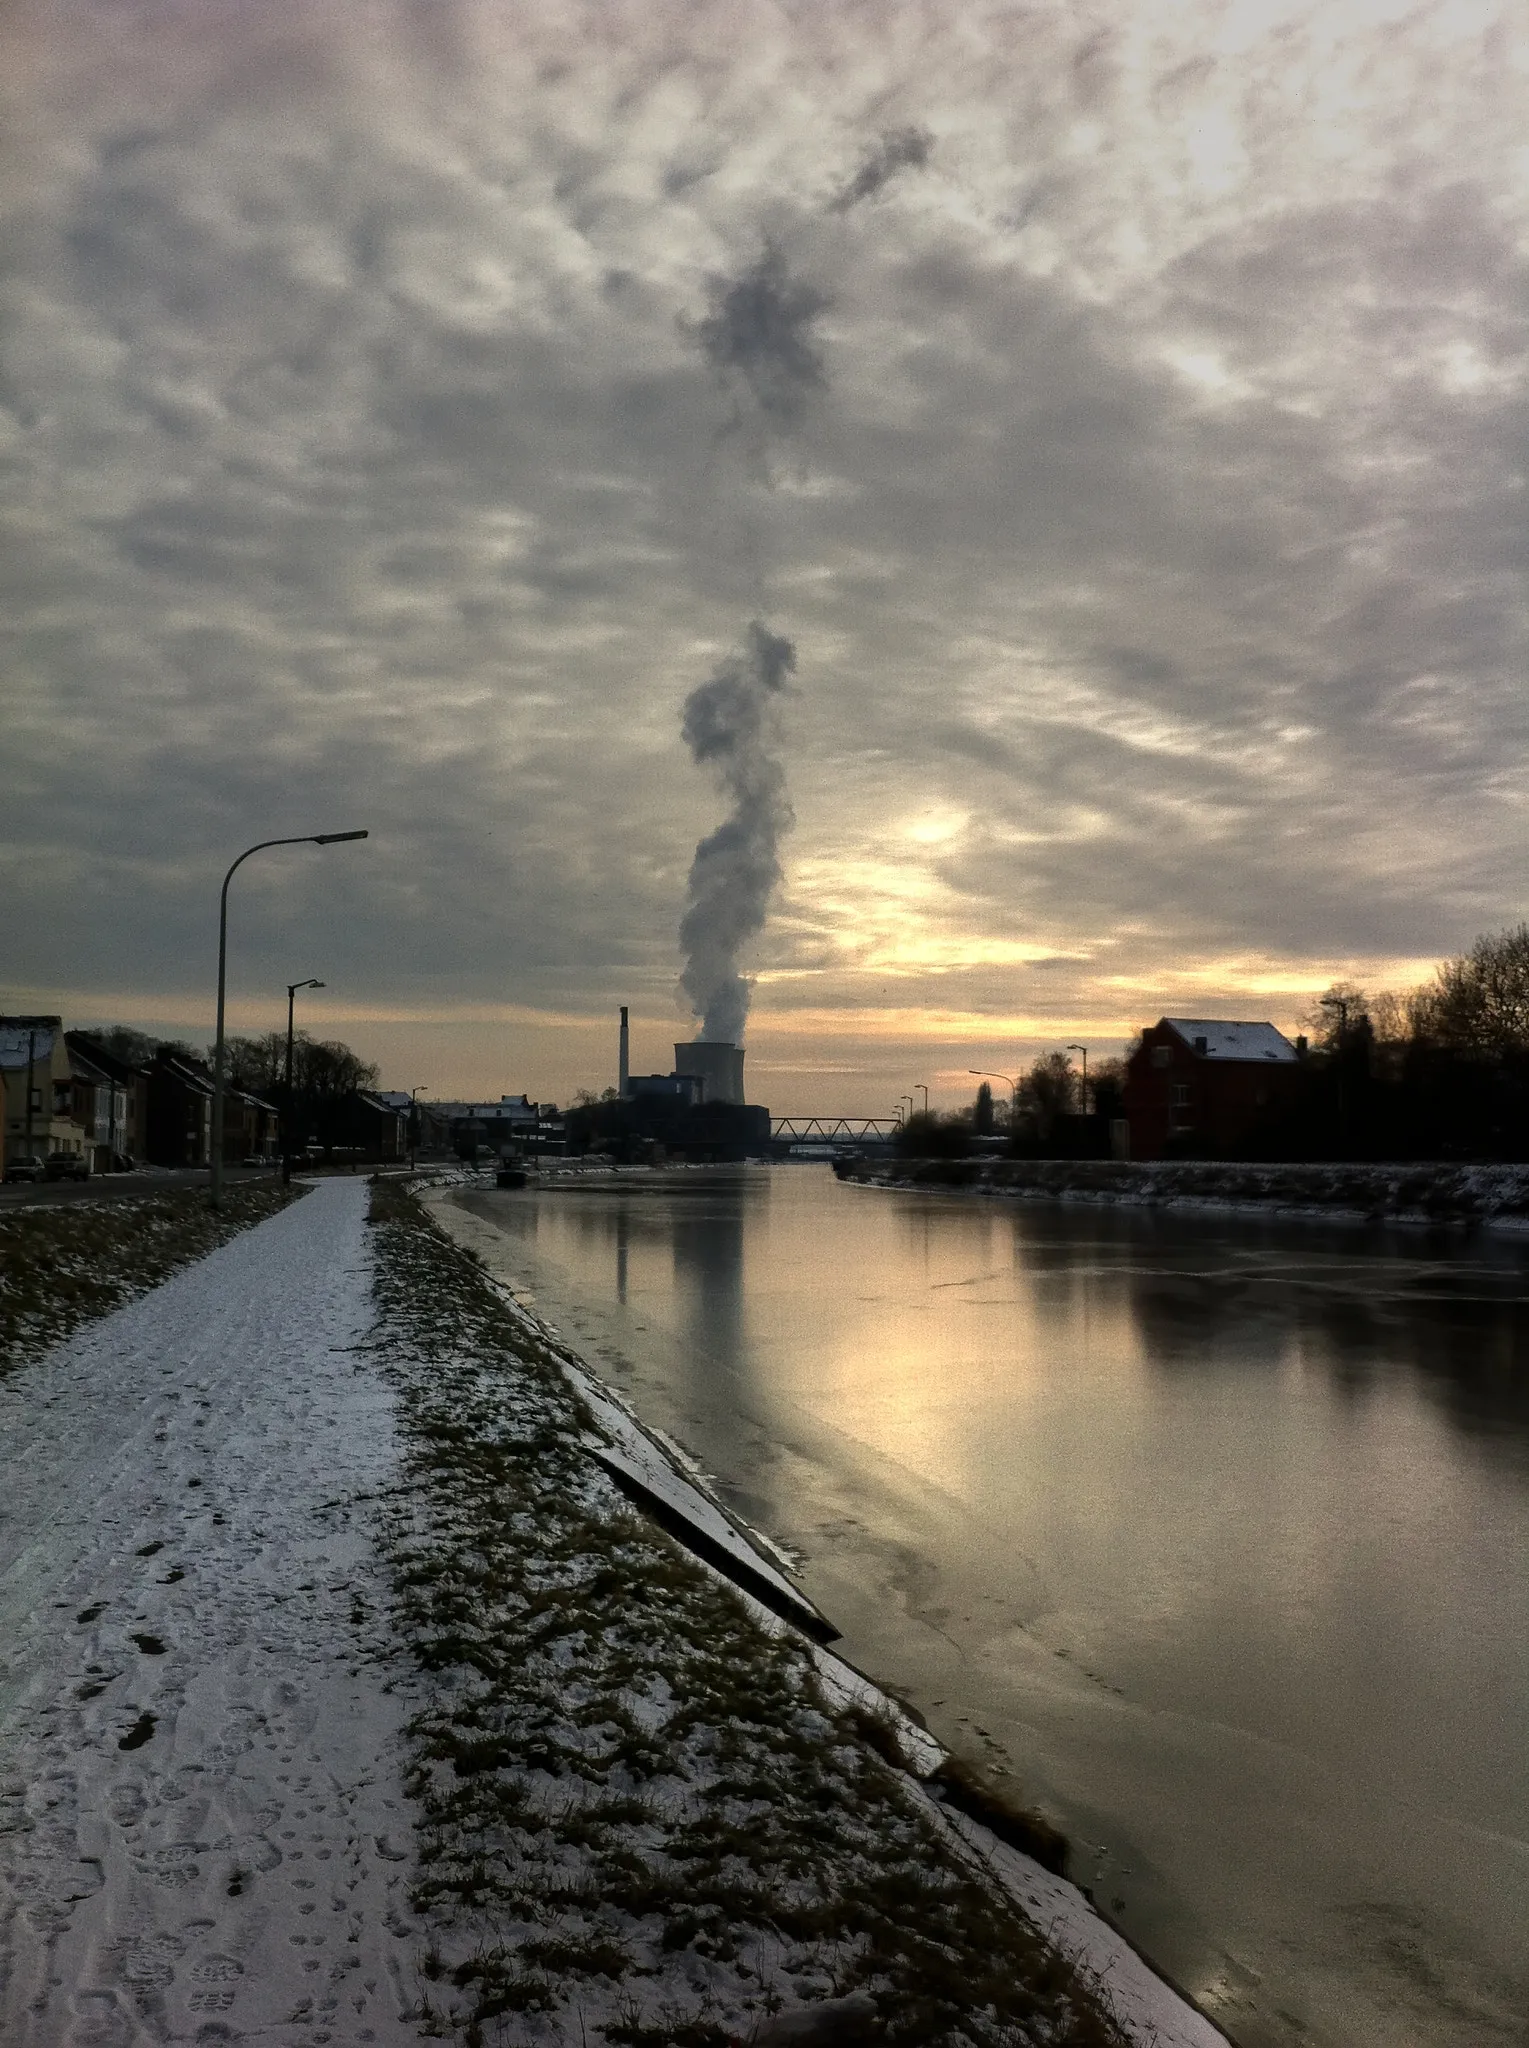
x,y
414,1095
1010,1081
925,1087
1084,1050
302,839
286,1104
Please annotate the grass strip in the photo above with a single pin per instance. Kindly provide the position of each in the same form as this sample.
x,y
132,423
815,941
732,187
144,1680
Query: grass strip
x,y
642,1822
62,1265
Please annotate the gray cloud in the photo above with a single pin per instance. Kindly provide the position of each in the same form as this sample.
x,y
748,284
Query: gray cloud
x,y
1156,555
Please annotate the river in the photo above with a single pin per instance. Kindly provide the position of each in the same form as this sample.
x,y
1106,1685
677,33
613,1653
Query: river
x,y
1211,1532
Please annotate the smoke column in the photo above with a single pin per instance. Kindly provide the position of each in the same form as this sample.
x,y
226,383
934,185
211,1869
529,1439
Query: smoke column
x,y
730,727
905,149
758,336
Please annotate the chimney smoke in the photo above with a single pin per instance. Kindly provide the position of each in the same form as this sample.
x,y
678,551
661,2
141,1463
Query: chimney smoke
x,y
730,724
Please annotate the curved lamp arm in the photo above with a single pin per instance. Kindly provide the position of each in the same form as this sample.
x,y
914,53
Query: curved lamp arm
x,y
302,839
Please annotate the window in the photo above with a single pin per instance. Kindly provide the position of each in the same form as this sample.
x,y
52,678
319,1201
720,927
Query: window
x,y
1181,1095
1162,1055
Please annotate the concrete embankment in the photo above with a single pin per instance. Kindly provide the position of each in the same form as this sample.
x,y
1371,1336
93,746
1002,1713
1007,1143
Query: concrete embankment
x,y
1496,1196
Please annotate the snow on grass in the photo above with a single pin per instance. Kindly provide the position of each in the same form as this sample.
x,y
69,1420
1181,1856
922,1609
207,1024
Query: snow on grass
x,y
60,1265
1423,1192
643,1820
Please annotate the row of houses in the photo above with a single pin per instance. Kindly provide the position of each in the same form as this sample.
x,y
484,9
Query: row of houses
x,y
66,1092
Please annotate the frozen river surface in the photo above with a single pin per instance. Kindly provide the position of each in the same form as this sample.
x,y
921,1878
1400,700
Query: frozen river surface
x,y
1214,1533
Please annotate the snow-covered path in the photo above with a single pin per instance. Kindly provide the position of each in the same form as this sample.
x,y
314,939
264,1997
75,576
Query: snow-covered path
x,y
203,1832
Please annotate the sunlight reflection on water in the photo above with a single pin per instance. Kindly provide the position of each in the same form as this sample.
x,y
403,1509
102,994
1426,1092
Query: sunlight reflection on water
x,y
1214,1532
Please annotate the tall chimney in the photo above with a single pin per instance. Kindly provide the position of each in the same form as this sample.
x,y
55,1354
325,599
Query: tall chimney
x,y
624,1076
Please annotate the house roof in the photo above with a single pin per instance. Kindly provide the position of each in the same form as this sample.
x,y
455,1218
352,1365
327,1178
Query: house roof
x,y
86,1067
1227,1041
13,1040
100,1056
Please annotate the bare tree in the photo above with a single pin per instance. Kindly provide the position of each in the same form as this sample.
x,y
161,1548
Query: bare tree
x,y
124,1042
257,1064
1047,1092
1336,1015
1479,1003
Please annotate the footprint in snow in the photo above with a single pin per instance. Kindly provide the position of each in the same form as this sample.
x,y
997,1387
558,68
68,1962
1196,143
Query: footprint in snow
x,y
174,1865
127,1804
99,2021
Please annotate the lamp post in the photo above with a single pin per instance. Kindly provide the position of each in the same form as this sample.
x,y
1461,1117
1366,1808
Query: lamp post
x,y
286,1101
31,1065
1011,1082
925,1087
1084,1050
302,839
414,1095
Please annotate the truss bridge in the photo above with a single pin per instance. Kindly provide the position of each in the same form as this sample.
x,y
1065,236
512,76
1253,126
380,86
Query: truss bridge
x,y
834,1130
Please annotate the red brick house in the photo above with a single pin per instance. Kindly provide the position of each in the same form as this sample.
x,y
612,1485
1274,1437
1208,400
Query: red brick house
x,y
1196,1088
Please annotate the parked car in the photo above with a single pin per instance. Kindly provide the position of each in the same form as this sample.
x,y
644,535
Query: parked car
x,y
25,1166
66,1166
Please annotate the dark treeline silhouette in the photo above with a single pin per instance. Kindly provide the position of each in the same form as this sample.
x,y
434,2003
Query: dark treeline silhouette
x,y
1441,1072
1051,1115
325,1077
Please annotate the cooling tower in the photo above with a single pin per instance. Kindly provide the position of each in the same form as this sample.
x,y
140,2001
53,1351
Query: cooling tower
x,y
718,1064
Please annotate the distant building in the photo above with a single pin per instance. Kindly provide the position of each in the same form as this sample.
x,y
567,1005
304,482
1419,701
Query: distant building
x,y
504,1129
180,1116
121,1120
1199,1088
38,1083
697,1112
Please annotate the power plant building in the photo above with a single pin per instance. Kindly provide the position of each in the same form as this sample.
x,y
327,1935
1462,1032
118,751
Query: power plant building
x,y
696,1112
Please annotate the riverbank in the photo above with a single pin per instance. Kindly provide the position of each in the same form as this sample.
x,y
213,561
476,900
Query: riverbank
x,y
650,1812
870,1789
1425,1193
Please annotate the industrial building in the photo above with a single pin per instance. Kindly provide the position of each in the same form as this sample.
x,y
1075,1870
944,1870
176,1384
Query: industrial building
x,y
697,1111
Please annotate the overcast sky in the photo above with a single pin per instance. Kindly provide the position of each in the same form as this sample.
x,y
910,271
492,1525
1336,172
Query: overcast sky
x,y
1132,452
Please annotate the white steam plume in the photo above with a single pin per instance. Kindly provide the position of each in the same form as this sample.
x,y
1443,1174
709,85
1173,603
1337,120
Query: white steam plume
x,y
730,726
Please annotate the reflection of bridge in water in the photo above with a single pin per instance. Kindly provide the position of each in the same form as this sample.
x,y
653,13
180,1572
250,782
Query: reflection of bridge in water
x,y
834,1130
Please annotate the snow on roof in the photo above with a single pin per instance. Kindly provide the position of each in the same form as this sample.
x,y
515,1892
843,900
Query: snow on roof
x,y
1224,1041
13,1044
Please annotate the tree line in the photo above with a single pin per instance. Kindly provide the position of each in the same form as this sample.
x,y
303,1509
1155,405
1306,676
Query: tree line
x,y
1440,1071
1436,1072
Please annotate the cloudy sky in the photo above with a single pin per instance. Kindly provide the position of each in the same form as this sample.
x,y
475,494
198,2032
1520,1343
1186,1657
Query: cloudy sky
x,y
405,407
